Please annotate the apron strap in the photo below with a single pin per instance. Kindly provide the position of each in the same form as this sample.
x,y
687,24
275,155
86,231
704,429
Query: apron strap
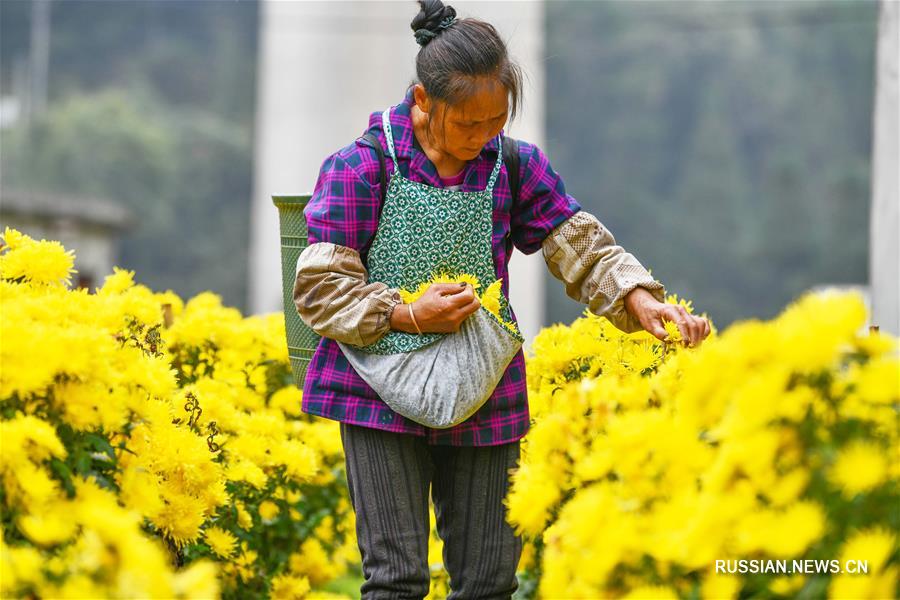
x,y
386,125
490,185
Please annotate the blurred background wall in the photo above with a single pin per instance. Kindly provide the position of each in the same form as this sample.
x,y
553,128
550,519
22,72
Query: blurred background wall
x,y
884,248
729,146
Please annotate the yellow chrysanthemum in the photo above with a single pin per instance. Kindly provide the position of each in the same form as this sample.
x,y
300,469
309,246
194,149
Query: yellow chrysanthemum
x,y
52,525
13,239
794,529
116,283
687,304
245,562
720,585
244,519
268,510
290,587
197,580
673,331
288,399
443,277
641,356
873,545
313,561
41,263
860,466
220,541
490,299
536,495
181,518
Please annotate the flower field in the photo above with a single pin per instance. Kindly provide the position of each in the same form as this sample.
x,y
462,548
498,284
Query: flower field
x,y
774,440
153,447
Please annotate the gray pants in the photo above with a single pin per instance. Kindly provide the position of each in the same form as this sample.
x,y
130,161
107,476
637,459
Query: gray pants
x,y
389,475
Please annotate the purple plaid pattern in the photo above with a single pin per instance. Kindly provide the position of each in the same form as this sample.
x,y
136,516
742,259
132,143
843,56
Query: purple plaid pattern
x,y
344,210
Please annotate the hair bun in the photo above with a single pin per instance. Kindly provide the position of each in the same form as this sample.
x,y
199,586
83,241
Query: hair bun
x,y
432,19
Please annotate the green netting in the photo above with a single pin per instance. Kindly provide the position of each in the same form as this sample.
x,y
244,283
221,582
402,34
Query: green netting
x,y
301,340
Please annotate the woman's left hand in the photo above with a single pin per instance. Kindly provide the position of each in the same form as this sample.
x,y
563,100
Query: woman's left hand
x,y
651,313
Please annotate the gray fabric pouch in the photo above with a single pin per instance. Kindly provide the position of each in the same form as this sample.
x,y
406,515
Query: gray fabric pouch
x,y
444,383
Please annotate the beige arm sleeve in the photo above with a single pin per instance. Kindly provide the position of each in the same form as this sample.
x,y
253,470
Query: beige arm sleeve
x,y
583,254
333,297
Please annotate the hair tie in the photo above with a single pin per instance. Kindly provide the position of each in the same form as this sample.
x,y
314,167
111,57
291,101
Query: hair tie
x,y
423,36
447,22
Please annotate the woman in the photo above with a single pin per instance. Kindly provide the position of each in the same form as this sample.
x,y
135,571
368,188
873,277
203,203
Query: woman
x,y
445,136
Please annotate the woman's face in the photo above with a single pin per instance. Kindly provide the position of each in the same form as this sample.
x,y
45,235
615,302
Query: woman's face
x,y
470,124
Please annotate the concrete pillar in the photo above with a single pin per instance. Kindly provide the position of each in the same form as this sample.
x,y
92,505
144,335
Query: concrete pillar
x,y
884,250
323,68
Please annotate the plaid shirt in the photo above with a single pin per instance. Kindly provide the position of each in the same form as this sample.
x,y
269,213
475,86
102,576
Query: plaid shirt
x,y
343,210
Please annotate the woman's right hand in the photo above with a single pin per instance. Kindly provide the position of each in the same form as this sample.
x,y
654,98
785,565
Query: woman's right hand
x,y
441,309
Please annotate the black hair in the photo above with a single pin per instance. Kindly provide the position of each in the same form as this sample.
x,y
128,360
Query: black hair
x,y
455,52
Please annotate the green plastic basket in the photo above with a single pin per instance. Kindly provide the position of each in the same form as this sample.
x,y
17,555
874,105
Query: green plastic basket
x,y
301,340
